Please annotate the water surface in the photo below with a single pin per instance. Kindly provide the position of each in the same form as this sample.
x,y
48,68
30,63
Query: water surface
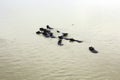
x,y
27,56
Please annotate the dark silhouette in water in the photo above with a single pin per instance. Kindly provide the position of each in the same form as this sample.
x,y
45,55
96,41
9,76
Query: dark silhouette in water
x,y
48,27
70,39
92,50
38,32
78,41
47,33
42,29
65,34
60,37
60,42
58,31
73,40
51,35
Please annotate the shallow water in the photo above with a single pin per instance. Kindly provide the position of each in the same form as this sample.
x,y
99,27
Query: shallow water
x,y
27,56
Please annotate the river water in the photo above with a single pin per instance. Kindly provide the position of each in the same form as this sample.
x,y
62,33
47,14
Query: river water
x,y
27,56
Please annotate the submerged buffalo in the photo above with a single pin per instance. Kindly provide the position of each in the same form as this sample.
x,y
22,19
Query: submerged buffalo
x,y
48,33
93,50
48,27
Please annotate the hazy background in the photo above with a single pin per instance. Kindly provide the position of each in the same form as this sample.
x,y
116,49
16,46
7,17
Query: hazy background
x,y
27,56
15,14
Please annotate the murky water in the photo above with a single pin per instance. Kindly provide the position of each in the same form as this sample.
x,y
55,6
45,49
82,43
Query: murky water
x,y
27,56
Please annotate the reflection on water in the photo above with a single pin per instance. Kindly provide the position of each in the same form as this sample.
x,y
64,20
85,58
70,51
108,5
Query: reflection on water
x,y
27,56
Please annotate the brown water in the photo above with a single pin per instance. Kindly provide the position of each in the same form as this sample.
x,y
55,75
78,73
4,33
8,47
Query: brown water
x,y
27,56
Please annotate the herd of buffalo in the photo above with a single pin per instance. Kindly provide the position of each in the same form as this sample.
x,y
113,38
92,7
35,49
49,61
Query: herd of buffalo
x,y
47,32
